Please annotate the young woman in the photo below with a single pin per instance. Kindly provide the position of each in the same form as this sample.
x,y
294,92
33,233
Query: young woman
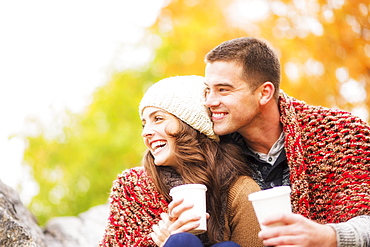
x,y
182,149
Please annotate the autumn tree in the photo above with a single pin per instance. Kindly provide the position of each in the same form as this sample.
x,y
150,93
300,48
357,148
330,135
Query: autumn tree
x,y
324,46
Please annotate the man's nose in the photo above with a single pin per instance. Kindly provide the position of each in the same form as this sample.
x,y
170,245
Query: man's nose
x,y
211,100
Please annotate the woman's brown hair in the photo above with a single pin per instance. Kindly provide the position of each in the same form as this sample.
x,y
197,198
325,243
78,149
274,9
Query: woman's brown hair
x,y
204,161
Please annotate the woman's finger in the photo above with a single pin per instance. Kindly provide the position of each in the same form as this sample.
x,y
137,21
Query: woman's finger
x,y
161,231
177,208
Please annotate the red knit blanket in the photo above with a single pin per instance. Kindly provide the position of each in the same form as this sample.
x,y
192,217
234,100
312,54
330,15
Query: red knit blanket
x,y
328,153
135,206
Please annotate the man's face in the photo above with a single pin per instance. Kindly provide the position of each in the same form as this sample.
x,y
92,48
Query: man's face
x,y
232,102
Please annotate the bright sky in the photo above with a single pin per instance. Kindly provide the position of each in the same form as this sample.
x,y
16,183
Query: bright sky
x,y
53,55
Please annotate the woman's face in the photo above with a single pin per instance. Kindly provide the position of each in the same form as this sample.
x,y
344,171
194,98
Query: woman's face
x,y
156,124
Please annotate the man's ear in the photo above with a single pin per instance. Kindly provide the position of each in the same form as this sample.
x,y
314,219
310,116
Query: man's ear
x,y
267,91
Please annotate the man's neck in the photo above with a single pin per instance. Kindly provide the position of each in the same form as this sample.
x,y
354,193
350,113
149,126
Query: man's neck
x,y
263,143
265,133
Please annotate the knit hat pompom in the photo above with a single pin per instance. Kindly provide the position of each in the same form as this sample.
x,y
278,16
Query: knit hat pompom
x,y
183,97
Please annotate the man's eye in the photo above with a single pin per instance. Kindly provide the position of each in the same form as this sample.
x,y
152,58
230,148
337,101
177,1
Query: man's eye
x,y
158,118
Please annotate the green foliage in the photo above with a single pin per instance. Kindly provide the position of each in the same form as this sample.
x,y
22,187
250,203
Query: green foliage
x,y
75,169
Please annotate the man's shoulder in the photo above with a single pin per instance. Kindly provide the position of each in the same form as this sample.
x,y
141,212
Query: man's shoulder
x,y
292,108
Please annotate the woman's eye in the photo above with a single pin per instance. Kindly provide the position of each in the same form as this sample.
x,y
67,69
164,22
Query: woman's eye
x,y
157,118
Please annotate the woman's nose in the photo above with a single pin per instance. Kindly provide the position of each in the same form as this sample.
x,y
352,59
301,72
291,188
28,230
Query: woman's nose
x,y
147,131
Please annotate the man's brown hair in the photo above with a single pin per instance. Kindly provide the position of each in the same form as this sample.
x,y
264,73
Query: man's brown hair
x,y
260,62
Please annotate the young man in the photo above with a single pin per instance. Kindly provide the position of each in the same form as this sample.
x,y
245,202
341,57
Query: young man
x,y
323,154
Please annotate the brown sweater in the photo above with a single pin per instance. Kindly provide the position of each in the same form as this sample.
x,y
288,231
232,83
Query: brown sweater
x,y
241,225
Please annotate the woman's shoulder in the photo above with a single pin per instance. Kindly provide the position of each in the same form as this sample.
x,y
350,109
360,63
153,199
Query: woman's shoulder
x,y
136,185
135,178
243,185
134,172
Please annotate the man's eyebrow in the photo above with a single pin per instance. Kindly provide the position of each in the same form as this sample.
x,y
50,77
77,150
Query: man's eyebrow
x,y
221,84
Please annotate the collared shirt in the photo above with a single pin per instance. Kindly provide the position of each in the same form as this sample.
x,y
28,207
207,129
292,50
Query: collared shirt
x,y
268,173
272,175
273,153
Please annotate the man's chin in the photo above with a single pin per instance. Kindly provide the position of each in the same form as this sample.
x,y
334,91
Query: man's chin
x,y
219,130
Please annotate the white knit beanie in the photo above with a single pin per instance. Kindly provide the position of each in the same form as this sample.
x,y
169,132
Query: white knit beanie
x,y
183,97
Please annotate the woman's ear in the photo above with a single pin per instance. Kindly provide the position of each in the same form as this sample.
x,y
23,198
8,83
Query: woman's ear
x,y
267,91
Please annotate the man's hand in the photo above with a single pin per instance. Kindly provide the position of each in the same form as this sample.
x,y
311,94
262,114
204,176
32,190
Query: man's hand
x,y
297,231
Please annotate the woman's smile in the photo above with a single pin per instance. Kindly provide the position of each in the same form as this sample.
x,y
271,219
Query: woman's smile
x,y
157,146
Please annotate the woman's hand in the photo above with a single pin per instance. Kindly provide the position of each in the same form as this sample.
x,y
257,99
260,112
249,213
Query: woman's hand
x,y
161,232
174,222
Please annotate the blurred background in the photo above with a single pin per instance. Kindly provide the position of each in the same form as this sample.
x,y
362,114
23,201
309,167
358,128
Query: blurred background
x,y
72,74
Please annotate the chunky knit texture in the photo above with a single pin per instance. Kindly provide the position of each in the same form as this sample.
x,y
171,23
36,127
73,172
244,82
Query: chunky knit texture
x,y
135,205
328,152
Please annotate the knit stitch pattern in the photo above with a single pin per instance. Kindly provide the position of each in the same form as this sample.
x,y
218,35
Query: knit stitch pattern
x,y
328,153
135,206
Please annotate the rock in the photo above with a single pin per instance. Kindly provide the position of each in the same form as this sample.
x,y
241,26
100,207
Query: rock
x,y
18,227
85,230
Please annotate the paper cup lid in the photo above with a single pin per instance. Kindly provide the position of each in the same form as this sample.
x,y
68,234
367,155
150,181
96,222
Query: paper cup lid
x,y
187,186
269,193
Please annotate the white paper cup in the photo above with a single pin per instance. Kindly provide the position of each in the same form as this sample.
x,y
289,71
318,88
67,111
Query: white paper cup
x,y
196,195
271,202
